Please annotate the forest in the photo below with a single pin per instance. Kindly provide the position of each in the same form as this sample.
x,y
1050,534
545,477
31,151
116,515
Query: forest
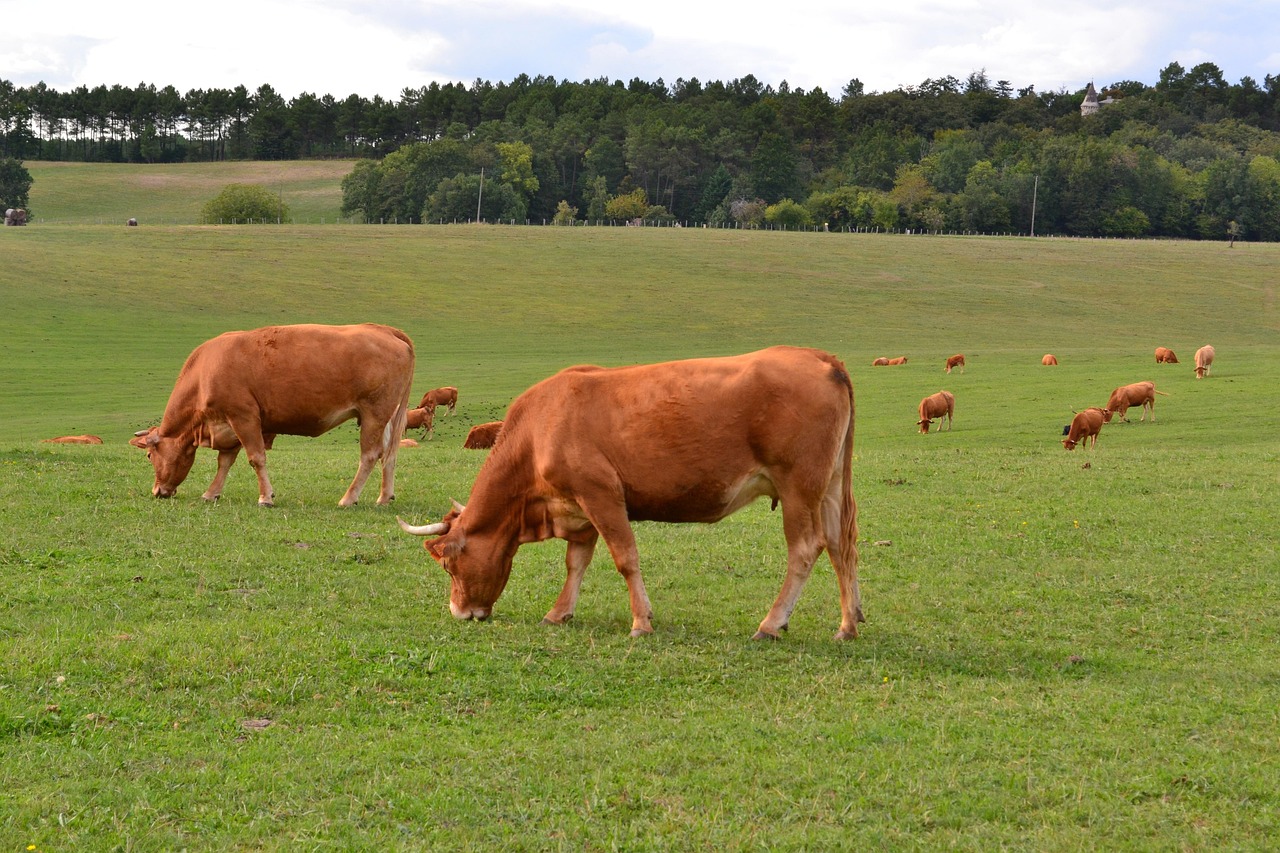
x,y
1188,156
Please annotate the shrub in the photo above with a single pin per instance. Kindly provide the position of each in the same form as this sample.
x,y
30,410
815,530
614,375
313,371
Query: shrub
x,y
788,214
244,204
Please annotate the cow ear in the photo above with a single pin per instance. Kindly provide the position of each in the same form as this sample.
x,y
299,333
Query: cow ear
x,y
445,548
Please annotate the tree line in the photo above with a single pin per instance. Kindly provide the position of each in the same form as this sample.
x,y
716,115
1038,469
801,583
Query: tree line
x,y
1189,156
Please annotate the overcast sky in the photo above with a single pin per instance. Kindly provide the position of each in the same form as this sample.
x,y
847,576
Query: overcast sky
x,y
381,47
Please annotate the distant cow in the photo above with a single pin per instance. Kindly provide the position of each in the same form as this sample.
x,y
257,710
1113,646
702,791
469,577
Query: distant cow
x,y
447,397
74,439
1138,394
242,389
1204,360
956,360
482,436
1085,425
408,442
880,362
423,418
936,407
902,359
1049,359
587,452
1164,355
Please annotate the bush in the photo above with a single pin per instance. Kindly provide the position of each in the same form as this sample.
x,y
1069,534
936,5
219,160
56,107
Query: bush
x,y
565,215
787,214
244,204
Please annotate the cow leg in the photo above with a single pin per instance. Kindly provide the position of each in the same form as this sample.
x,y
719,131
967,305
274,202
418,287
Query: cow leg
x,y
374,435
845,564
249,432
612,524
576,559
800,524
225,458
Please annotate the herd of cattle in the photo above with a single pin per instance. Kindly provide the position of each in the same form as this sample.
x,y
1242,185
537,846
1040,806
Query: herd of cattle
x,y
579,456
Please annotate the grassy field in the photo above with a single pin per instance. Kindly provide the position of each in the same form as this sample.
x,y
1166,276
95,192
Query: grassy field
x,y
1063,650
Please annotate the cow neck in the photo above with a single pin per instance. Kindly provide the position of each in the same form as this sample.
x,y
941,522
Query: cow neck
x,y
182,413
498,497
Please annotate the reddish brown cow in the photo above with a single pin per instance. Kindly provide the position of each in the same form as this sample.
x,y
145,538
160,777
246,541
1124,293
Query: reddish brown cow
x,y
1049,360
483,436
1138,394
447,397
242,389
880,362
1085,425
74,439
956,360
423,418
589,450
936,407
902,359
1204,360
1164,355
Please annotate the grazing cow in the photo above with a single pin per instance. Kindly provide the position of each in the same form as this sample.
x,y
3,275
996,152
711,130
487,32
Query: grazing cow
x,y
242,389
447,397
956,360
936,406
1138,394
880,362
423,418
902,359
74,439
1049,360
1204,360
1164,355
1085,425
589,450
482,436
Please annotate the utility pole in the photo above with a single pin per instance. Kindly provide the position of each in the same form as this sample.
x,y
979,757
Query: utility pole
x,y
1035,188
480,197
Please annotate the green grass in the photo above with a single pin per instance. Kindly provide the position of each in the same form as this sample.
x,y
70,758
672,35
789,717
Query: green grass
x,y
1056,657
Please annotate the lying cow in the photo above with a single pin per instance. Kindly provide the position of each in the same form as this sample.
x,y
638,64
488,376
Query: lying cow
x,y
423,418
1164,355
1049,360
880,362
590,450
1084,426
936,407
242,389
1138,394
447,397
1204,360
902,359
483,436
956,360
74,439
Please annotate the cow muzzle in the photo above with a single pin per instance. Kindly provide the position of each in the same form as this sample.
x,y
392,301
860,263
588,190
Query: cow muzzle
x,y
162,492
466,614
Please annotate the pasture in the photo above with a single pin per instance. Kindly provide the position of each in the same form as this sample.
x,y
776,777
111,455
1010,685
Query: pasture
x,y
1063,650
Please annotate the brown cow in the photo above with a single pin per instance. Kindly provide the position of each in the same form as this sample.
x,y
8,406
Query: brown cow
x,y
1049,360
936,406
1085,425
74,439
423,418
956,360
1204,360
1138,394
880,362
1164,355
589,450
447,397
483,436
242,389
902,359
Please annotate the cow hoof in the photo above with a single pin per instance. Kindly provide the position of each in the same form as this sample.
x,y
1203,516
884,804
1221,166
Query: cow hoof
x,y
762,635
846,635
267,504
547,620
641,632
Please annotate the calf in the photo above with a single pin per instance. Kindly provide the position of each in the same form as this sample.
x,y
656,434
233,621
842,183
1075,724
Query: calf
x,y
1204,360
483,436
956,360
1049,359
74,439
939,406
1164,355
1085,425
1138,394
421,418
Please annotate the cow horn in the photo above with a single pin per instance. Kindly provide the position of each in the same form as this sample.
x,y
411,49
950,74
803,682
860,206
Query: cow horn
x,y
141,432
459,507
438,529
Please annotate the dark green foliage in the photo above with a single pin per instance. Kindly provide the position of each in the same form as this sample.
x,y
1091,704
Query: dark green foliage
x,y
240,204
15,184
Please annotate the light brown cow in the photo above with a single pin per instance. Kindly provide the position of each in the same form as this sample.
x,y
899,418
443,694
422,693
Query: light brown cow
x,y
408,442
423,418
1204,360
956,360
242,389
936,407
589,450
902,359
880,362
447,397
1138,394
483,436
74,439
1164,355
1049,360
1085,425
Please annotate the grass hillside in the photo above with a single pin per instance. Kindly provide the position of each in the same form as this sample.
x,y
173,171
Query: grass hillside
x,y
1063,650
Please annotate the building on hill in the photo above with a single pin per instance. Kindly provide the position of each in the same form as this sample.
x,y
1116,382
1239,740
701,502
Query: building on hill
x,y
1090,105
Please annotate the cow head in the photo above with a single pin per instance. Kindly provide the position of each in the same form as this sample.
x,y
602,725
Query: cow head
x,y
1069,443
1107,414
478,565
171,457
924,424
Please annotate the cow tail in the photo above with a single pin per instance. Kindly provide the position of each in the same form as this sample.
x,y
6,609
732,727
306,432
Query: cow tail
x,y
848,506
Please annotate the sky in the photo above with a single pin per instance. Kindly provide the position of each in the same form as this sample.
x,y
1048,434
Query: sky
x,y
382,47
